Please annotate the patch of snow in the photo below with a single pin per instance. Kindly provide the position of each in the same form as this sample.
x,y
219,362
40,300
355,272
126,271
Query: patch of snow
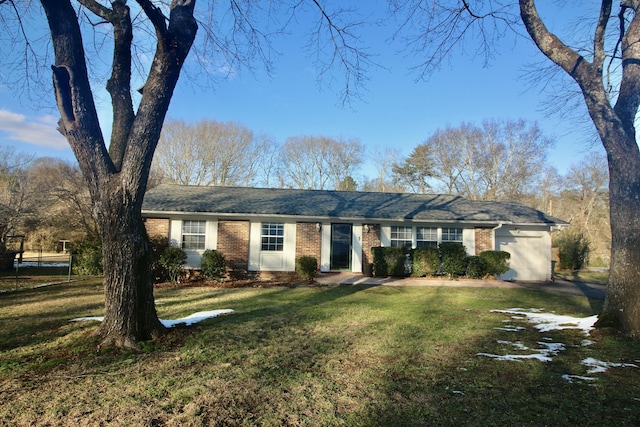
x,y
518,357
195,317
87,319
553,347
598,366
516,344
189,320
573,378
546,322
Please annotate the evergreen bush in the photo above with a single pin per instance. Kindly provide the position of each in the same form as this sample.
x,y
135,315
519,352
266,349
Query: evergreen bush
x,y
453,255
157,245
389,261
173,259
426,262
307,267
213,264
87,261
476,267
497,261
573,250
379,261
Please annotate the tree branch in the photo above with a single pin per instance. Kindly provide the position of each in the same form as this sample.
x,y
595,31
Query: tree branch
x,y
599,54
628,100
73,93
552,47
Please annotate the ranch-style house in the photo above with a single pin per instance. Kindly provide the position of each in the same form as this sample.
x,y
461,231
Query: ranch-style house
x,y
265,230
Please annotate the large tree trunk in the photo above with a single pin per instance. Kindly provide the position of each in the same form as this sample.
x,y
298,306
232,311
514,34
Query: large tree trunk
x,y
622,305
117,178
130,314
616,128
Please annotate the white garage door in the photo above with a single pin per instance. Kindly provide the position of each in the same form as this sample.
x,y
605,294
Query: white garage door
x,y
528,258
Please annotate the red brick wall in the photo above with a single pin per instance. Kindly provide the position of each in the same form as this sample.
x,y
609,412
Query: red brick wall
x,y
369,240
157,227
484,240
233,243
308,240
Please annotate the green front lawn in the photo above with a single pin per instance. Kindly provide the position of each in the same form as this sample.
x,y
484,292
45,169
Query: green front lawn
x,y
314,356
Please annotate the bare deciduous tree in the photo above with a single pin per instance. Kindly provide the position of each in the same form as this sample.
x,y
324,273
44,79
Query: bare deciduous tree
x,y
605,66
117,175
383,162
319,162
208,152
586,184
16,203
63,204
501,160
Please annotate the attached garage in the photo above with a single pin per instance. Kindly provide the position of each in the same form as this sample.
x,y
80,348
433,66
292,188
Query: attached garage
x,y
530,251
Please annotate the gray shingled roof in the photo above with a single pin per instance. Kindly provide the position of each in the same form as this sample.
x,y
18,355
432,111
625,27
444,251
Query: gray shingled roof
x,y
352,205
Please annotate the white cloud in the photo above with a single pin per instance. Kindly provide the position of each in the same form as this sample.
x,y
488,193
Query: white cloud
x,y
41,130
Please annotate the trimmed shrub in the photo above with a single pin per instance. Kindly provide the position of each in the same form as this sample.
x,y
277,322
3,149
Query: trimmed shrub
x,y
173,259
307,267
573,250
87,261
454,256
426,262
497,261
388,261
213,264
476,267
157,245
379,262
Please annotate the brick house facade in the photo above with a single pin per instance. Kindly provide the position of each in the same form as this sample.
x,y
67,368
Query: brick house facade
x,y
266,230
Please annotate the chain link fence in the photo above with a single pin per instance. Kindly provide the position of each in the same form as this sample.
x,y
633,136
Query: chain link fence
x,y
32,270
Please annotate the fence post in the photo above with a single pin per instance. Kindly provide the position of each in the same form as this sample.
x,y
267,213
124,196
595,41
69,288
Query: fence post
x,y
70,259
17,273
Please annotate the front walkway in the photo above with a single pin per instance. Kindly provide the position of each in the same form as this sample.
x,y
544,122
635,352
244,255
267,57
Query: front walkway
x,y
575,288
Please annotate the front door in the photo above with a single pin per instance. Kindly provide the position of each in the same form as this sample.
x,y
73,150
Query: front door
x,y
341,236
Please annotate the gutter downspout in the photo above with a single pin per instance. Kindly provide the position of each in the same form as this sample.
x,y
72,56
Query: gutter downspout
x,y
493,235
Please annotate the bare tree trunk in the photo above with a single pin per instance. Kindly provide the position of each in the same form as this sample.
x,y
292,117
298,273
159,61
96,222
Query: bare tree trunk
x,y
130,314
622,305
117,179
616,127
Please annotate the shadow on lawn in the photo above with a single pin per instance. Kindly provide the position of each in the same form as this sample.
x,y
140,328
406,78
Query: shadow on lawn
x,y
357,355
438,383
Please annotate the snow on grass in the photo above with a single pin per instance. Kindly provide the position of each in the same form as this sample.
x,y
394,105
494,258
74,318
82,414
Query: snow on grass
x,y
549,322
598,366
545,322
189,320
577,378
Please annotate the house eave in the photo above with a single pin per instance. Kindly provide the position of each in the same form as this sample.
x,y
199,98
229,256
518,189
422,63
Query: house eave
x,y
361,220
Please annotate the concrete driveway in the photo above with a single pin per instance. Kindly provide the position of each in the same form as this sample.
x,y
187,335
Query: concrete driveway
x,y
574,288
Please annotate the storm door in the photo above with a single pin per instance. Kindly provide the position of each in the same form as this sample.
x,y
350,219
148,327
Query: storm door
x,y
341,236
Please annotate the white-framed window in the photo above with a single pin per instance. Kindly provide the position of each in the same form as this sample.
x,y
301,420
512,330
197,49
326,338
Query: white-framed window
x,y
193,234
272,236
426,237
450,234
401,236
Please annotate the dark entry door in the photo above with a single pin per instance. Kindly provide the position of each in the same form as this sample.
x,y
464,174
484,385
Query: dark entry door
x,y
341,247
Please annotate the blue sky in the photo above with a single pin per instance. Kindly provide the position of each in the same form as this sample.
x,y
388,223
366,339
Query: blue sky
x,y
395,111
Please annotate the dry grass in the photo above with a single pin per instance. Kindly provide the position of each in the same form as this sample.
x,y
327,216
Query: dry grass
x,y
312,356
